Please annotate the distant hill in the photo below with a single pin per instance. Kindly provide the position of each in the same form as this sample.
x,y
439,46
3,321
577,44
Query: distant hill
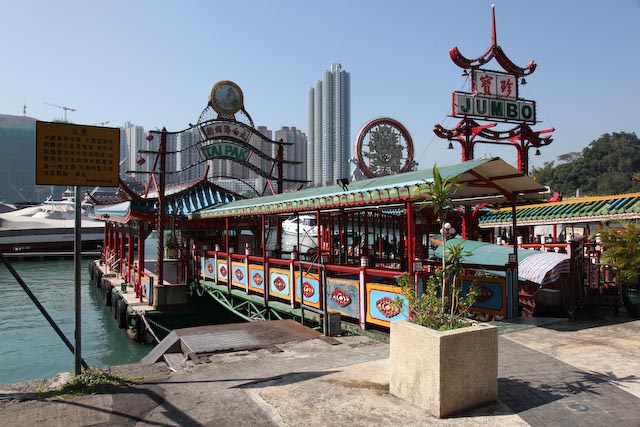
x,y
7,121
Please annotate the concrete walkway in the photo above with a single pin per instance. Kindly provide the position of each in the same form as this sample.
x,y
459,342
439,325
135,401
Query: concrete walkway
x,y
583,373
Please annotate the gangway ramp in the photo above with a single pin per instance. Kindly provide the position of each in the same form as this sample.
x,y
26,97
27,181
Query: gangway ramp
x,y
204,340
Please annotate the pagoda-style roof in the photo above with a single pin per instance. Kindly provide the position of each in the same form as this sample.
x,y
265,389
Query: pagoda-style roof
x,y
572,211
493,52
180,200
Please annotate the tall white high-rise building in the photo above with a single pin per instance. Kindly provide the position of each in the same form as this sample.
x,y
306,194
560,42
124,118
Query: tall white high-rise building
x,y
329,116
192,162
135,140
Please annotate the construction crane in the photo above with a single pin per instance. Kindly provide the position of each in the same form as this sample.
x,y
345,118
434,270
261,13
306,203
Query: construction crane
x,y
64,108
102,123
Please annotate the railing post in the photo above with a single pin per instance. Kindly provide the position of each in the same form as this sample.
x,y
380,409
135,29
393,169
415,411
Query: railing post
x,y
363,294
150,296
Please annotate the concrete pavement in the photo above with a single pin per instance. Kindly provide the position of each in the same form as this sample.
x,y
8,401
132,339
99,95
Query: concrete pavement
x,y
567,373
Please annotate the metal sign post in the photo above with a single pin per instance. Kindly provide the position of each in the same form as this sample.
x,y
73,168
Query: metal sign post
x,y
75,155
78,280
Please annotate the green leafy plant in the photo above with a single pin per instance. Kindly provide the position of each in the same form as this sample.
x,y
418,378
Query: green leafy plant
x,y
621,246
440,197
171,242
428,309
90,381
449,310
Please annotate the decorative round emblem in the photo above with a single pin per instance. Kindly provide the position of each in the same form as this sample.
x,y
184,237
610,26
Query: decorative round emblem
x,y
386,306
226,97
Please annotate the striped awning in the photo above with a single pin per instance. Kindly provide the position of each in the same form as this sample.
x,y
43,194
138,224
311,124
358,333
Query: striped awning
x,y
543,267
572,211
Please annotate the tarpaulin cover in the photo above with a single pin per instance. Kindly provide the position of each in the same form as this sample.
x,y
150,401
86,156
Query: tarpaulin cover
x,y
535,266
543,267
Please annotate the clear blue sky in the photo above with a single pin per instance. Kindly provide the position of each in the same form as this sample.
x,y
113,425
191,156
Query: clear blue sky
x,y
153,63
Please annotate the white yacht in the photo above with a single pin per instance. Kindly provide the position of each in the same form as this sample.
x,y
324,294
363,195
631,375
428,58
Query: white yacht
x,y
303,224
49,227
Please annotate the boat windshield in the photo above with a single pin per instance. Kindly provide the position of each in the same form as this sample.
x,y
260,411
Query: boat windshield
x,y
309,221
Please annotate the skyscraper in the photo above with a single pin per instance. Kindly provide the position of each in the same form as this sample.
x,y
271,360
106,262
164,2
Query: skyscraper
x,y
329,116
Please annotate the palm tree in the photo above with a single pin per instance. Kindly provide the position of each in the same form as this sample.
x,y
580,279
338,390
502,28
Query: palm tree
x,y
440,198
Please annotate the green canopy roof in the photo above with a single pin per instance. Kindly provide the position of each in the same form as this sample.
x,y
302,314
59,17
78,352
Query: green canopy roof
x,y
486,180
587,209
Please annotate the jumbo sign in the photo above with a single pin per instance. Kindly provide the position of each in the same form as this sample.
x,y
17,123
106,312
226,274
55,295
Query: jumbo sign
x,y
471,105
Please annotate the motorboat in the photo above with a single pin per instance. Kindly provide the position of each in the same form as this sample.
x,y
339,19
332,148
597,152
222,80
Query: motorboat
x,y
305,225
49,227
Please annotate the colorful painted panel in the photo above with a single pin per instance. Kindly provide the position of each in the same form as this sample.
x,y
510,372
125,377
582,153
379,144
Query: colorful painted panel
x,y
208,268
380,307
343,297
223,271
129,274
492,298
279,283
256,278
239,274
144,286
309,287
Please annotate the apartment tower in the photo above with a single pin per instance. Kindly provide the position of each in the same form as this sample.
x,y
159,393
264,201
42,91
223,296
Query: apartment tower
x,y
329,117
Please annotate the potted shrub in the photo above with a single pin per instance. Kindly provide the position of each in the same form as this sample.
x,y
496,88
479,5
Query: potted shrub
x,y
621,247
440,360
171,246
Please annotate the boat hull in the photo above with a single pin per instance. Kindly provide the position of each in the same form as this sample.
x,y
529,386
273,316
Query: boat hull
x,y
48,240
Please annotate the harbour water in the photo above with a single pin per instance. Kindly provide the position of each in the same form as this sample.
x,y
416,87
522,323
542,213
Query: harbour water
x,y
30,348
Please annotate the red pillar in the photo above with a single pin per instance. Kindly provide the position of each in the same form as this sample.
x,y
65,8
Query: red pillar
x,y
411,240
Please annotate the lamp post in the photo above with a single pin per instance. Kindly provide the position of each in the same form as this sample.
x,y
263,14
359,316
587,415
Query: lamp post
x,y
447,229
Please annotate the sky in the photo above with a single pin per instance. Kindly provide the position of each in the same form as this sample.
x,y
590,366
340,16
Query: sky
x,y
153,63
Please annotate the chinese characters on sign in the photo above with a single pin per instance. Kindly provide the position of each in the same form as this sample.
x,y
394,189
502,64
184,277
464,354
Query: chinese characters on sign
x,y
68,154
222,130
487,83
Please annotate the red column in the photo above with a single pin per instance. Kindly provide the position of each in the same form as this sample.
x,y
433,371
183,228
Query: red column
x,y
411,240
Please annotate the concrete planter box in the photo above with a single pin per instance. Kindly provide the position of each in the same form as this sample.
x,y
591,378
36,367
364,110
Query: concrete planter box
x,y
444,372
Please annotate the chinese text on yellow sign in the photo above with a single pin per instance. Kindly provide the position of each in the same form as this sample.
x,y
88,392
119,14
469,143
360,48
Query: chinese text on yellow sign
x,y
68,154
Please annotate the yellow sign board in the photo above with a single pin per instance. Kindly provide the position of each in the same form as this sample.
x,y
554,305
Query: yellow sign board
x,y
69,154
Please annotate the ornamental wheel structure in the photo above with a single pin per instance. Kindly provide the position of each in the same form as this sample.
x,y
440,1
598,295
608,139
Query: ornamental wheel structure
x,y
384,147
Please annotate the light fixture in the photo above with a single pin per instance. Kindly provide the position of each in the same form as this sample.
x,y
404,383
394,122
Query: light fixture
x,y
450,147
537,151
523,81
465,73
343,182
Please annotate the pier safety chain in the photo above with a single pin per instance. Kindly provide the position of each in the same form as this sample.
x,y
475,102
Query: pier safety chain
x,y
156,324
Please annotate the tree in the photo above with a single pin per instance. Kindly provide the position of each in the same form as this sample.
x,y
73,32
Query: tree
x,y
606,166
621,246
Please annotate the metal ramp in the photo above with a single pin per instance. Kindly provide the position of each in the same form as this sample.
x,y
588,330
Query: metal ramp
x,y
204,340
218,341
